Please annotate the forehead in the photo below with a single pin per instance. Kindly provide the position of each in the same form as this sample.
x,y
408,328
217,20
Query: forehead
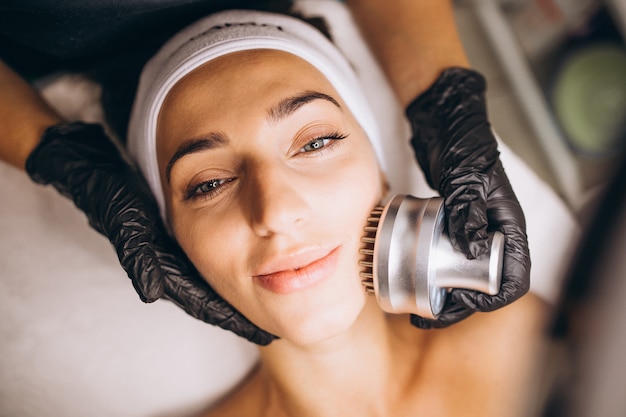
x,y
252,72
238,82
230,90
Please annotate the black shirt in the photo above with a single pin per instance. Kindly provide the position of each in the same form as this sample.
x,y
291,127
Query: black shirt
x,y
108,41
41,36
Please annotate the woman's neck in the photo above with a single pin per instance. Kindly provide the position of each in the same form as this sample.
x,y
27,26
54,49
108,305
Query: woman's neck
x,y
483,366
304,381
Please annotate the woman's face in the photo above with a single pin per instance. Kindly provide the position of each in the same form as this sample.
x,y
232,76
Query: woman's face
x,y
268,181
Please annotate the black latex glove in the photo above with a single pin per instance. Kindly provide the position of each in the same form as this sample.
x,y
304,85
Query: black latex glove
x,y
81,162
457,150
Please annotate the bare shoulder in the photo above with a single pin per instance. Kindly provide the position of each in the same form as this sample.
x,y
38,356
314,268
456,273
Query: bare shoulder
x,y
486,365
526,317
530,314
245,400
500,352
514,332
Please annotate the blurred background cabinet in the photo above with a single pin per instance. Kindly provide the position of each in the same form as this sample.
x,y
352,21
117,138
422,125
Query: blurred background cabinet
x,y
565,61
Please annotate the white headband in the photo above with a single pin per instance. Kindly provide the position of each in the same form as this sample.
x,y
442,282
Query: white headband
x,y
223,33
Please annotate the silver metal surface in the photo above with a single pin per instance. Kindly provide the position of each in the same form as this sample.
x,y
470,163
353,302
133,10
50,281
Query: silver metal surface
x,y
412,263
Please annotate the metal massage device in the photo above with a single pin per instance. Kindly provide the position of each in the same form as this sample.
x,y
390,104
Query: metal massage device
x,y
410,263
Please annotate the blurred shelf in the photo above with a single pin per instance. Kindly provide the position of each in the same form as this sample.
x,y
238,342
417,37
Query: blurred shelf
x,y
578,179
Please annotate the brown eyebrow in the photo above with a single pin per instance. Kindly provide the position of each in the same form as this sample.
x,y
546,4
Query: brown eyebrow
x,y
289,105
213,140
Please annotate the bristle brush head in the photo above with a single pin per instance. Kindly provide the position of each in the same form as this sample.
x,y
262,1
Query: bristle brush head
x,y
368,239
409,262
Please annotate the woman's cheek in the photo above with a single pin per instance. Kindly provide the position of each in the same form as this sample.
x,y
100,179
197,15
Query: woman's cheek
x,y
363,182
195,240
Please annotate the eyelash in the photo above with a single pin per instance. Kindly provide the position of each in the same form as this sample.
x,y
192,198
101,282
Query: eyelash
x,y
335,136
194,192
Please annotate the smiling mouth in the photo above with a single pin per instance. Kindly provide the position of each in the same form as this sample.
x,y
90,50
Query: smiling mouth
x,y
300,278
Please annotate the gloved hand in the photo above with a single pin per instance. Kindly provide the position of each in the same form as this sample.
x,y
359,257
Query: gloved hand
x,y
81,162
457,150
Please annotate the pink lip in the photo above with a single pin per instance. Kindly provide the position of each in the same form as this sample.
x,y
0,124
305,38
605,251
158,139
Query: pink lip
x,y
298,272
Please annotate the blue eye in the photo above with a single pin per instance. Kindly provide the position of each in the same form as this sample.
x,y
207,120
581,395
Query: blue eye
x,y
314,145
206,189
322,142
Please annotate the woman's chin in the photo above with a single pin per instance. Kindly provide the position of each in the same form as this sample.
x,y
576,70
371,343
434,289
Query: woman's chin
x,y
324,311
323,324
315,336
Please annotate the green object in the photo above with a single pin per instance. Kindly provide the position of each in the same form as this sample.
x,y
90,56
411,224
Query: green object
x,y
589,98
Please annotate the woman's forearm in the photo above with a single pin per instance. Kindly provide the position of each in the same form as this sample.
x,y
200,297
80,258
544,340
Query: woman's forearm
x,y
413,40
24,116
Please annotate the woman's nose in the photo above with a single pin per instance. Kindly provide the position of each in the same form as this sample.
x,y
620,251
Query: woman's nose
x,y
277,203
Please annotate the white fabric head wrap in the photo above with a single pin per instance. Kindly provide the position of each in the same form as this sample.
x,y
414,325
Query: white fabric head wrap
x,y
223,33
